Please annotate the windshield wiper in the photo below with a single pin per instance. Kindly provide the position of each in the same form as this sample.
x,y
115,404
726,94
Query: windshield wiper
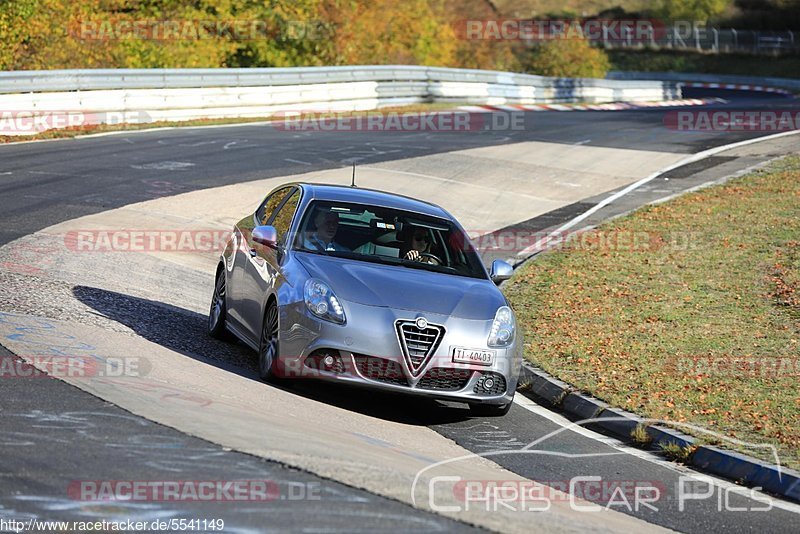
x,y
414,264
364,257
314,251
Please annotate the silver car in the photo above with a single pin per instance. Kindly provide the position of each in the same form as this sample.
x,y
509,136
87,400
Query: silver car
x,y
372,289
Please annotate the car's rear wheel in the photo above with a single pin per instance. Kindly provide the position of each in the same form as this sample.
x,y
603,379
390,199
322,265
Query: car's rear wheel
x,y
218,311
489,410
268,345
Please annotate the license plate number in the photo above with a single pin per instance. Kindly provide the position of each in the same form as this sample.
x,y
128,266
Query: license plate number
x,y
476,356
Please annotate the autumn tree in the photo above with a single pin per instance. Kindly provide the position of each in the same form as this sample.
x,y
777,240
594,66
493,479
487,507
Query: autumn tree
x,y
390,32
566,58
50,34
691,10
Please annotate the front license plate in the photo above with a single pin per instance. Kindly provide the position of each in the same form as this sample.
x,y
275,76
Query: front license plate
x,y
476,356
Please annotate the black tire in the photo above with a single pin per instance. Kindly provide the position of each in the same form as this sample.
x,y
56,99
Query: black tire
x,y
218,311
268,344
489,410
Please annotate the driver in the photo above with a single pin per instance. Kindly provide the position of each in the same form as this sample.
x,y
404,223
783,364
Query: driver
x,y
326,224
419,243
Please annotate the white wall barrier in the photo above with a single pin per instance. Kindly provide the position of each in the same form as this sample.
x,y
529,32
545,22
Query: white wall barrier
x,y
148,95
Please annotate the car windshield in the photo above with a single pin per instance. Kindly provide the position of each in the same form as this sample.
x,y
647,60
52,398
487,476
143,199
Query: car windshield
x,y
388,236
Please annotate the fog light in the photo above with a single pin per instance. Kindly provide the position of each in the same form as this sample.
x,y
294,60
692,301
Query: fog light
x,y
488,383
328,361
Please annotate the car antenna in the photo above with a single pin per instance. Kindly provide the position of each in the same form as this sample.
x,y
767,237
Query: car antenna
x,y
353,182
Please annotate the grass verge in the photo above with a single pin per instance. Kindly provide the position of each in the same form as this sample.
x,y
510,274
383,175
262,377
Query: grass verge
x,y
686,311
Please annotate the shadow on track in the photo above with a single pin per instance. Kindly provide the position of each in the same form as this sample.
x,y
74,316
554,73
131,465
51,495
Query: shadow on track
x,y
184,331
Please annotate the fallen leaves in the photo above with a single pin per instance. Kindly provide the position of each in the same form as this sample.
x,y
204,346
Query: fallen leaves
x,y
612,322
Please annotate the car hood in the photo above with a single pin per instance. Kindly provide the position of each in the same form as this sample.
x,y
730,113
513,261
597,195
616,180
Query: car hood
x,y
397,287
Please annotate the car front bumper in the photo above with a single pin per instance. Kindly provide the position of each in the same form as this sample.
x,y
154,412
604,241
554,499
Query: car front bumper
x,y
366,352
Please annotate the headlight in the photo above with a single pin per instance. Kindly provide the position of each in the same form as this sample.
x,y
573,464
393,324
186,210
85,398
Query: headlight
x,y
503,327
321,301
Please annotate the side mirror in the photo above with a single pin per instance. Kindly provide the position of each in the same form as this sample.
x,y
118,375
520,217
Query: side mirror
x,y
501,271
266,235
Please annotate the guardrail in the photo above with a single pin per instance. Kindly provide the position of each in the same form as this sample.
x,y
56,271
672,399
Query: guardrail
x,y
146,95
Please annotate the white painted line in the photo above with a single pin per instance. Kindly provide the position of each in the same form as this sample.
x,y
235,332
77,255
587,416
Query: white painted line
x,y
200,143
542,243
290,160
165,166
524,402
699,187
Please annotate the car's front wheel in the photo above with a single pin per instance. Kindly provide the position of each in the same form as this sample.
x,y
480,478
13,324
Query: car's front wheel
x,y
489,410
268,345
218,311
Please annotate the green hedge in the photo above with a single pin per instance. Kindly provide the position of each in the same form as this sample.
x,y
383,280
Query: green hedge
x,y
787,66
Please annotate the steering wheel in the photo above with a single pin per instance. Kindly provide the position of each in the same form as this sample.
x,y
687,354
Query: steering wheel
x,y
433,257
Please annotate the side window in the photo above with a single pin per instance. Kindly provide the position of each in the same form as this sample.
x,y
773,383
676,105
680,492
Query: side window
x,y
283,219
267,208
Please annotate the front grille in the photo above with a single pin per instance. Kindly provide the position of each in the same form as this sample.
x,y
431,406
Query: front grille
x,y
498,388
444,379
418,344
380,370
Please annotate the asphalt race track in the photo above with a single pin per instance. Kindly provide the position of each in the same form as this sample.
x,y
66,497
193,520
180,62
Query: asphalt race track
x,y
54,433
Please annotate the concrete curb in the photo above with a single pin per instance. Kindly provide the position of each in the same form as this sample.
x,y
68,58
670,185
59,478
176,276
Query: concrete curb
x,y
768,84
538,385
611,106
738,87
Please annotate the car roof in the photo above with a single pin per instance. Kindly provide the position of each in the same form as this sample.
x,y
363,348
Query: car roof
x,y
342,193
